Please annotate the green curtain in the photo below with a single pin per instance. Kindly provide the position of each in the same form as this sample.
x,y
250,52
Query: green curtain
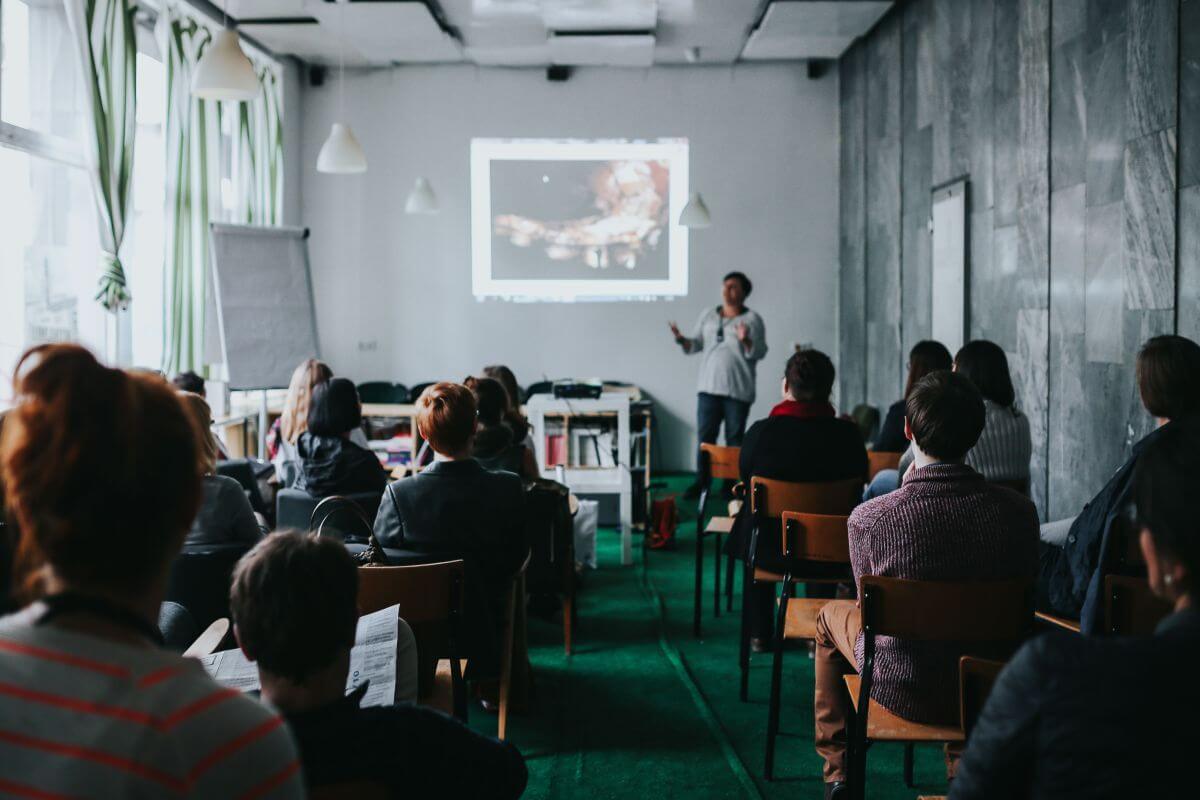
x,y
104,37
197,158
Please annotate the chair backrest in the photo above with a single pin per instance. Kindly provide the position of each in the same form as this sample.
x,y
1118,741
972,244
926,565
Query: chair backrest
x,y
357,790
769,498
200,580
978,611
242,471
382,392
816,537
975,679
1130,608
294,508
414,394
878,460
719,462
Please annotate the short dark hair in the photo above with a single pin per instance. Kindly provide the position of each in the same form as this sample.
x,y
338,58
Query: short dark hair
x,y
740,277
1166,473
294,600
945,412
926,356
809,374
491,399
189,382
1168,376
985,365
334,408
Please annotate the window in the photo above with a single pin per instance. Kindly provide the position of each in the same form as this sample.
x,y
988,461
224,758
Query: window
x,y
49,255
143,249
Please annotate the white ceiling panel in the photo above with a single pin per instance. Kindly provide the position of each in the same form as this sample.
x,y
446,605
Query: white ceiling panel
x,y
388,32
308,42
599,15
810,29
264,9
633,50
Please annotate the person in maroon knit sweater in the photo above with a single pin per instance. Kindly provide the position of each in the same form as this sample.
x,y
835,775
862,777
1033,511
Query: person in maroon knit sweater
x,y
946,523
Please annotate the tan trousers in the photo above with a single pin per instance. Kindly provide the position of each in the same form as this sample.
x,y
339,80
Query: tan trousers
x,y
838,625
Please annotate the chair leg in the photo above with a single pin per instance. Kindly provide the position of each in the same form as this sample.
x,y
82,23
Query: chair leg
x,y
730,572
699,588
716,576
568,614
774,702
908,765
744,641
506,664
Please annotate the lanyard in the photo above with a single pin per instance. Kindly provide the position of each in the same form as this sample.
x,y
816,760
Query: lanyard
x,y
74,602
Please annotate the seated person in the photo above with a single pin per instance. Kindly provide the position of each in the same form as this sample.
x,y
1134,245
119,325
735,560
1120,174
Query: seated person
x,y
225,516
1168,379
946,523
455,508
99,470
330,462
925,357
516,397
496,445
293,600
1002,453
287,427
1070,715
801,440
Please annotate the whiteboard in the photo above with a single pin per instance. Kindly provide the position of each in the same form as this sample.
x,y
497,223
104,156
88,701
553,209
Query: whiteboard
x,y
264,303
949,300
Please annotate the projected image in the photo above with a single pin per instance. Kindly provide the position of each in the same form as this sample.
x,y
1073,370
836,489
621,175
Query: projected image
x,y
580,219
572,220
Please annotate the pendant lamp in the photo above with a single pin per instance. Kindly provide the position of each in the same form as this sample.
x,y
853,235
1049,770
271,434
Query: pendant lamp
x,y
224,72
421,200
695,213
341,154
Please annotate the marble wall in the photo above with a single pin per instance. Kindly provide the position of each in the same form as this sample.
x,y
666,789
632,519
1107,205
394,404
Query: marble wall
x,y
1077,124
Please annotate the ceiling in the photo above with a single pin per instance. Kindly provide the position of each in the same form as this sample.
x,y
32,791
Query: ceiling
x,y
540,33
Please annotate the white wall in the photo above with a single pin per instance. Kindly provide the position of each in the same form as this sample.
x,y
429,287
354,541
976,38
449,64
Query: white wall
x,y
394,292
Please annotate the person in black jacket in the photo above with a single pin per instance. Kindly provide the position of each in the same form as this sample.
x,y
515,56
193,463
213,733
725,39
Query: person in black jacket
x,y
1071,571
455,508
330,463
293,600
1086,716
926,356
801,440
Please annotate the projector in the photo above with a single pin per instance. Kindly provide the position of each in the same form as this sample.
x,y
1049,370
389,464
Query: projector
x,y
577,390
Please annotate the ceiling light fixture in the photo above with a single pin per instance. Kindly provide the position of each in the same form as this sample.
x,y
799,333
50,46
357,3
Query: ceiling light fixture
x,y
421,200
224,72
341,154
695,213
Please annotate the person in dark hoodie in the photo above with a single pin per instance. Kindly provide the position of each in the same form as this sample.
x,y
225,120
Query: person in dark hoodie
x,y
802,440
497,444
329,462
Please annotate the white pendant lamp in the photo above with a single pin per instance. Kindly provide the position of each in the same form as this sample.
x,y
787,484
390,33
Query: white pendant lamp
x,y
341,154
421,200
695,213
224,72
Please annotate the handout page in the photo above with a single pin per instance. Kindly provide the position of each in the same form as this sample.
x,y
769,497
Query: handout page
x,y
373,658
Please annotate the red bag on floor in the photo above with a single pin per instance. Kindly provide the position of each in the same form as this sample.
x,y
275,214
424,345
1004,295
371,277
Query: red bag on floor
x,y
664,518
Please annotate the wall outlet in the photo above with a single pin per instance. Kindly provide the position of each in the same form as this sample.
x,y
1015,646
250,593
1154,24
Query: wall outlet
x,y
368,347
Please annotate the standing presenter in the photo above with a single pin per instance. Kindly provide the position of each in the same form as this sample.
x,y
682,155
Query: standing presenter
x,y
731,339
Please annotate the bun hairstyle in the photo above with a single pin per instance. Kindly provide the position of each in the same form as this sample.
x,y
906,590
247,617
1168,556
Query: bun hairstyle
x,y
809,374
446,415
100,470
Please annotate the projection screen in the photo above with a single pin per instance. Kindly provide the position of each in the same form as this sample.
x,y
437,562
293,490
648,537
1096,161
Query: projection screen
x,y
570,220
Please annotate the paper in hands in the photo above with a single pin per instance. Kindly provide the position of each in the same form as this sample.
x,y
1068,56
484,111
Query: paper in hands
x,y
373,658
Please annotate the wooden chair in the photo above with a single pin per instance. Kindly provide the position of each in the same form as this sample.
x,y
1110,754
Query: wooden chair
x,y
769,498
716,462
431,601
1130,608
975,612
810,539
879,460
513,647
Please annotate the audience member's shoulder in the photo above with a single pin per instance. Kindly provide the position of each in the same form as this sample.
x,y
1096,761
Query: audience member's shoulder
x,y
867,514
1017,501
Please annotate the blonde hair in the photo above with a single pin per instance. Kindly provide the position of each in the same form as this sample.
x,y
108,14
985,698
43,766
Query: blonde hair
x,y
206,446
295,409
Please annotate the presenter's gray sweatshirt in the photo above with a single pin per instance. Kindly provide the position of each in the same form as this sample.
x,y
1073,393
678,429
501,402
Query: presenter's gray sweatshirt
x,y
726,367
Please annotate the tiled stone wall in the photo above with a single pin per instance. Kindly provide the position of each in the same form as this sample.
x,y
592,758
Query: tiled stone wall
x,y
1077,123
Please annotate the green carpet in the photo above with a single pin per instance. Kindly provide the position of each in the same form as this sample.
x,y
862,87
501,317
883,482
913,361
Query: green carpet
x,y
644,710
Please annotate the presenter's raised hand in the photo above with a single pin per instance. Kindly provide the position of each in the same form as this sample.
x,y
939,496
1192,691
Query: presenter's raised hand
x,y
743,335
675,331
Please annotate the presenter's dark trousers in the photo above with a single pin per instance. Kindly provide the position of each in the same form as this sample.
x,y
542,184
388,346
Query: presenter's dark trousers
x,y
714,409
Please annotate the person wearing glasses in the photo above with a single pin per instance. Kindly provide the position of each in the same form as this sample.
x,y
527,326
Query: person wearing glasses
x,y
731,340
